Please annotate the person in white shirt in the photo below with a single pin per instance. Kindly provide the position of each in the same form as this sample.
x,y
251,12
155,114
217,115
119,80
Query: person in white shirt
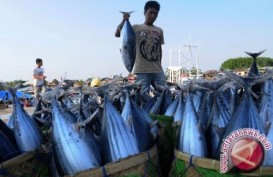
x,y
39,84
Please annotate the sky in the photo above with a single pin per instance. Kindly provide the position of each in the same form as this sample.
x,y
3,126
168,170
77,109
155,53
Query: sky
x,y
76,37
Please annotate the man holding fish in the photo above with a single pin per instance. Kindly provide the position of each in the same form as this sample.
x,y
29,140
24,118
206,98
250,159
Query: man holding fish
x,y
39,78
146,53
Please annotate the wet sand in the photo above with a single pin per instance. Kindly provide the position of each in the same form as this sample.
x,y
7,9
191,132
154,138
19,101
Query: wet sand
x,y
5,113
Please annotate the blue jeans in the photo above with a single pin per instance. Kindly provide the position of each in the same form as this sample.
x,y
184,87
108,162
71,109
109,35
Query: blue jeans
x,y
150,79
39,89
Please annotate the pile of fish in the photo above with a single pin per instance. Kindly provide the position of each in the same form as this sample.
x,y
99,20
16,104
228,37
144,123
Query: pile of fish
x,y
208,111
20,134
94,126
90,126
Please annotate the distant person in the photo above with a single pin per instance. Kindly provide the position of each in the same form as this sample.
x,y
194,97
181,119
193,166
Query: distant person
x,y
131,78
27,102
22,102
6,97
149,39
6,100
39,84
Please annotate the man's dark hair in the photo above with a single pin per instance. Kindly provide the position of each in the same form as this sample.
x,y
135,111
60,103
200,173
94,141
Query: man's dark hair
x,y
38,60
151,4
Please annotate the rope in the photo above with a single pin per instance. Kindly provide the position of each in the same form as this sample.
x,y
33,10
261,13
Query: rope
x,y
37,155
147,164
3,171
104,172
190,165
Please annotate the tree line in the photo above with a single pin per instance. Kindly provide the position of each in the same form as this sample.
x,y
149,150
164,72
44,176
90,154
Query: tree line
x,y
245,62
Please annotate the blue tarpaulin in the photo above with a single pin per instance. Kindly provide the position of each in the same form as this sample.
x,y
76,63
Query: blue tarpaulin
x,y
18,94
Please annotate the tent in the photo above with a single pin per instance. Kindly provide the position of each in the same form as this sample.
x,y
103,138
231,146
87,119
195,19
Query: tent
x,y
18,94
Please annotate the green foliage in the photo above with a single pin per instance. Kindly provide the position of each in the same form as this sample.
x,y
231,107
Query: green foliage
x,y
245,62
1,87
11,84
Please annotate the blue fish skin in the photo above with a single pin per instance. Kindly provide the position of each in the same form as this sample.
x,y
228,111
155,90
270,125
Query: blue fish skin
x,y
268,160
245,116
230,95
170,111
7,132
117,140
7,149
127,112
128,46
266,105
74,151
191,138
27,133
219,118
135,120
178,116
141,129
155,109
266,114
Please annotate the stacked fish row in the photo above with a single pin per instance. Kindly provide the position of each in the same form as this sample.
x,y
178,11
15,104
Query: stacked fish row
x,y
21,134
208,111
86,133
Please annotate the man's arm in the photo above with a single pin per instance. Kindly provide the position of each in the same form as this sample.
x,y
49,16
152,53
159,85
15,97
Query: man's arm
x,y
118,30
38,76
162,42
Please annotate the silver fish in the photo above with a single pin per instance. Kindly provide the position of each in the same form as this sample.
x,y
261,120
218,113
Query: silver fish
x,y
127,112
253,71
116,139
191,138
171,110
7,132
141,129
74,149
27,133
162,103
7,148
219,116
268,160
230,95
128,46
266,110
178,116
219,119
246,115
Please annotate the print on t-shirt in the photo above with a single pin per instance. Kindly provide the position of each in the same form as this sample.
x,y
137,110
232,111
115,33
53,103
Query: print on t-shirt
x,y
150,45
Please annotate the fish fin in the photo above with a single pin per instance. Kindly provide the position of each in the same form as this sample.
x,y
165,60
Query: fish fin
x,y
262,78
255,95
48,110
214,84
255,55
267,126
83,123
219,131
45,122
54,92
126,12
154,123
235,77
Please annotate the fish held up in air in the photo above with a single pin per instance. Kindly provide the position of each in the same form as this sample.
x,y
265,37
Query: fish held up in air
x,y
128,45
